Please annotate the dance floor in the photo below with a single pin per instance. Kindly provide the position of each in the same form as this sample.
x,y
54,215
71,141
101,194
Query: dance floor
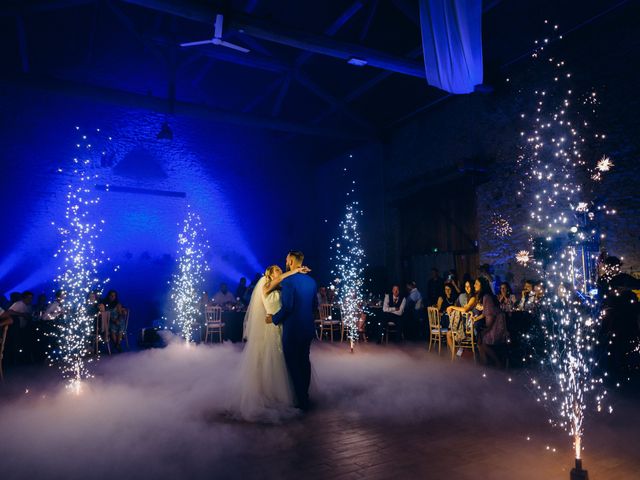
x,y
383,412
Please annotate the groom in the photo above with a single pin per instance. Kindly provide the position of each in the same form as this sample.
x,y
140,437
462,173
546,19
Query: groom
x,y
299,301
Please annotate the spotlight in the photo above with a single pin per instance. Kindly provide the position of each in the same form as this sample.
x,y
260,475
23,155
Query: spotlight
x,y
165,132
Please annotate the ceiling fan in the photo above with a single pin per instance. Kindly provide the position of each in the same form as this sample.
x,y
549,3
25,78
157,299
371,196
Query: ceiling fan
x,y
217,38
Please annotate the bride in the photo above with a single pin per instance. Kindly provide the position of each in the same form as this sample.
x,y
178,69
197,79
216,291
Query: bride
x,y
264,390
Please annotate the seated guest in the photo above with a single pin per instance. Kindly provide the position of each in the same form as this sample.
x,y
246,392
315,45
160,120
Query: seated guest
x,y
93,305
414,296
466,302
539,291
506,299
331,294
21,310
55,310
40,307
466,296
526,301
247,294
491,323
393,311
14,297
322,296
446,300
223,296
414,310
242,289
111,304
564,291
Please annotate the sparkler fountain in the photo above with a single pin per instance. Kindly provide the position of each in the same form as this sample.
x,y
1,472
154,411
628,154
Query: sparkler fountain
x,y
349,257
186,289
78,274
559,175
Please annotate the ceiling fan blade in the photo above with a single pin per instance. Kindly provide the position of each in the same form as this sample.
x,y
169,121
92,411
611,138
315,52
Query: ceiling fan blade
x,y
234,46
217,28
193,44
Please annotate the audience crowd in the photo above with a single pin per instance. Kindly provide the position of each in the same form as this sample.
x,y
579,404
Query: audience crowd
x,y
501,318
32,326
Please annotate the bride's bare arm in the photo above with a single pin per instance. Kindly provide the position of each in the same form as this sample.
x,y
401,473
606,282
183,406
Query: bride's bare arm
x,y
275,282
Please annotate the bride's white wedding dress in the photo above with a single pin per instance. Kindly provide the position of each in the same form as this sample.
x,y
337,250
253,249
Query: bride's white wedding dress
x,y
264,391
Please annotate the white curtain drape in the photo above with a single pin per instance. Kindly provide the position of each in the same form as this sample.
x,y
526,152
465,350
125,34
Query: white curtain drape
x,y
452,43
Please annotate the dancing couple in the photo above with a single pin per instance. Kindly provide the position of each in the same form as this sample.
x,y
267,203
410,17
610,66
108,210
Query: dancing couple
x,y
275,370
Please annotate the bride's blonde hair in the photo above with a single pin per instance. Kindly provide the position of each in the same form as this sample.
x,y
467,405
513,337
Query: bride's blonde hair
x,y
269,273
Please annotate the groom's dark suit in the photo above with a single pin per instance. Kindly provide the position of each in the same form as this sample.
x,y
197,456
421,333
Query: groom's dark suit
x,y
299,301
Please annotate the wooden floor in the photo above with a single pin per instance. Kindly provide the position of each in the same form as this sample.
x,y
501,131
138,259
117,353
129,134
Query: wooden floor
x,y
381,413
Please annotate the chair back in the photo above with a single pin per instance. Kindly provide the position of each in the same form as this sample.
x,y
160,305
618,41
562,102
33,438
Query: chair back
x,y
212,315
468,324
325,311
434,317
455,317
3,339
125,319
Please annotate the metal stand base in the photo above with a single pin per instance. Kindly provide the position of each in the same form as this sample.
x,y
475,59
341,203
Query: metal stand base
x,y
578,473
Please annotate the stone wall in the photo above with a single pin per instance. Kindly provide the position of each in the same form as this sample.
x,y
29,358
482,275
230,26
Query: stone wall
x,y
483,130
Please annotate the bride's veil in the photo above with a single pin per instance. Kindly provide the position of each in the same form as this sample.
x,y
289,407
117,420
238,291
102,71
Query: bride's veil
x,y
254,319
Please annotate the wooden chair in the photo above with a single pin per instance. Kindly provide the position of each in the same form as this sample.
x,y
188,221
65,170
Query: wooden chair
x,y
360,327
213,322
125,318
318,323
3,339
468,339
327,323
436,332
392,327
102,326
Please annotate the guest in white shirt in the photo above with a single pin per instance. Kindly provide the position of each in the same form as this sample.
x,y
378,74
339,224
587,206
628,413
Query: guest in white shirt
x,y
415,297
394,303
223,296
55,310
21,310
393,311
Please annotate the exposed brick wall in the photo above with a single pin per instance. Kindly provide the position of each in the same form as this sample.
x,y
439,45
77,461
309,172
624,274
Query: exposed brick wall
x,y
231,176
485,129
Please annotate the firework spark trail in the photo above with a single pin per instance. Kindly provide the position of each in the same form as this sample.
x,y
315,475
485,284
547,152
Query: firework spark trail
x,y
561,214
78,274
349,257
500,226
188,281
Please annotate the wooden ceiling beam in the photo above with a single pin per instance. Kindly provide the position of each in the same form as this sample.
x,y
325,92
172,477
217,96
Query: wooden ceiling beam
x,y
148,102
320,44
